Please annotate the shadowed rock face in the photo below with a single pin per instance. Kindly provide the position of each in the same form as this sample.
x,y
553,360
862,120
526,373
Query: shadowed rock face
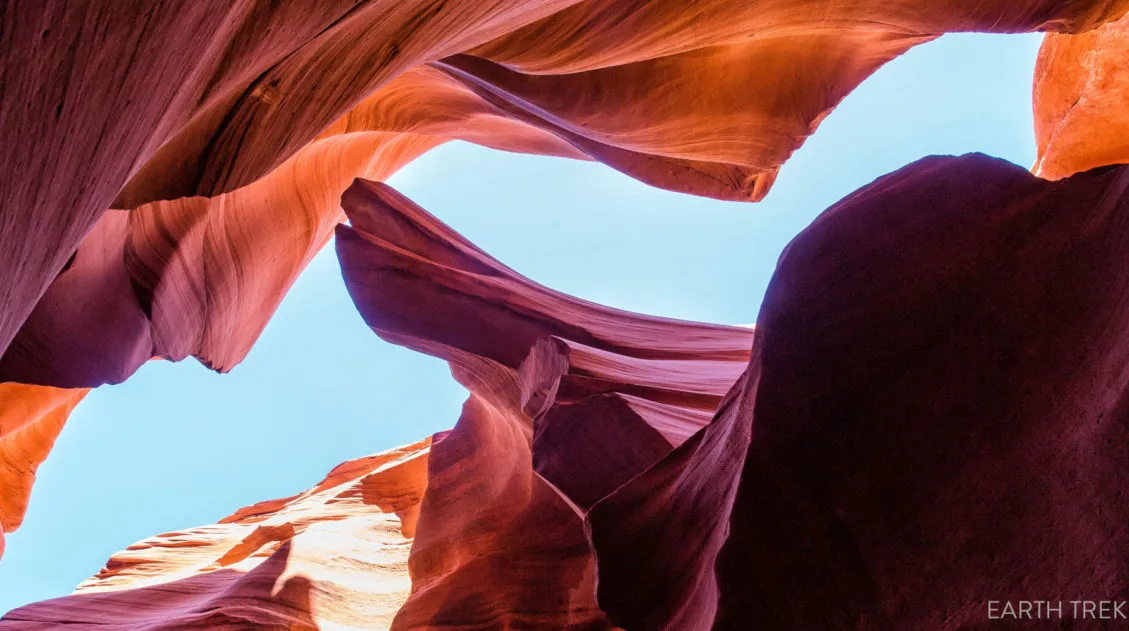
x,y
1082,100
229,129
933,417
928,415
193,276
577,399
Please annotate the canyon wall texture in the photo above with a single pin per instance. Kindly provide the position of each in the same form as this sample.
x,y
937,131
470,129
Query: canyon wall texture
x,y
228,130
729,478
564,393
126,105
1081,98
930,410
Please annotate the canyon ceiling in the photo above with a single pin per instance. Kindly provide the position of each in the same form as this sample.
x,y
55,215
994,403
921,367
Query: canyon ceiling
x,y
931,407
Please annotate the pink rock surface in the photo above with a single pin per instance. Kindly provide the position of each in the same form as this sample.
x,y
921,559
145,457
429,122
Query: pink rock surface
x,y
194,276
137,102
626,471
498,545
228,129
172,168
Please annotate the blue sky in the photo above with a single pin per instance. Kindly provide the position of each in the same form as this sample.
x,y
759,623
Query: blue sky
x,y
178,446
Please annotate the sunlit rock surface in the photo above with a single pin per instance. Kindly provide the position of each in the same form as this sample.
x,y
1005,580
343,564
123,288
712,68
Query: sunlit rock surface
x,y
574,400
171,168
135,102
194,276
228,129
121,104
332,557
31,418
613,470
1082,100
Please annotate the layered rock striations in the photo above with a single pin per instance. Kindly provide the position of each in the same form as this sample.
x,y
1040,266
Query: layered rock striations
x,y
928,415
124,105
119,104
193,276
332,557
221,134
568,400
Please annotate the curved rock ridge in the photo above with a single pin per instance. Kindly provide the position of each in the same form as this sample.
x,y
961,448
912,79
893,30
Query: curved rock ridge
x,y
202,276
136,102
194,276
568,400
498,544
709,103
222,133
614,470
127,103
1082,100
332,557
227,130
922,428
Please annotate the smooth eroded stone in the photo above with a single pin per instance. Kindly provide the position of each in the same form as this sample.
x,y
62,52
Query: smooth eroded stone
x,y
1082,100
333,557
591,396
934,417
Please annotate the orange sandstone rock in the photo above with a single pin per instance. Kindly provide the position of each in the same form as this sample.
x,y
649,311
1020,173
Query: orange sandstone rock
x,y
117,104
267,109
31,418
934,411
718,478
194,276
332,557
223,132
1082,100
123,104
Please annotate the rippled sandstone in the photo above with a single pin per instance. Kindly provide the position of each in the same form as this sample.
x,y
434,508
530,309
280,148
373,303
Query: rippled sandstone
x,y
228,130
719,477
332,557
206,98
175,167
